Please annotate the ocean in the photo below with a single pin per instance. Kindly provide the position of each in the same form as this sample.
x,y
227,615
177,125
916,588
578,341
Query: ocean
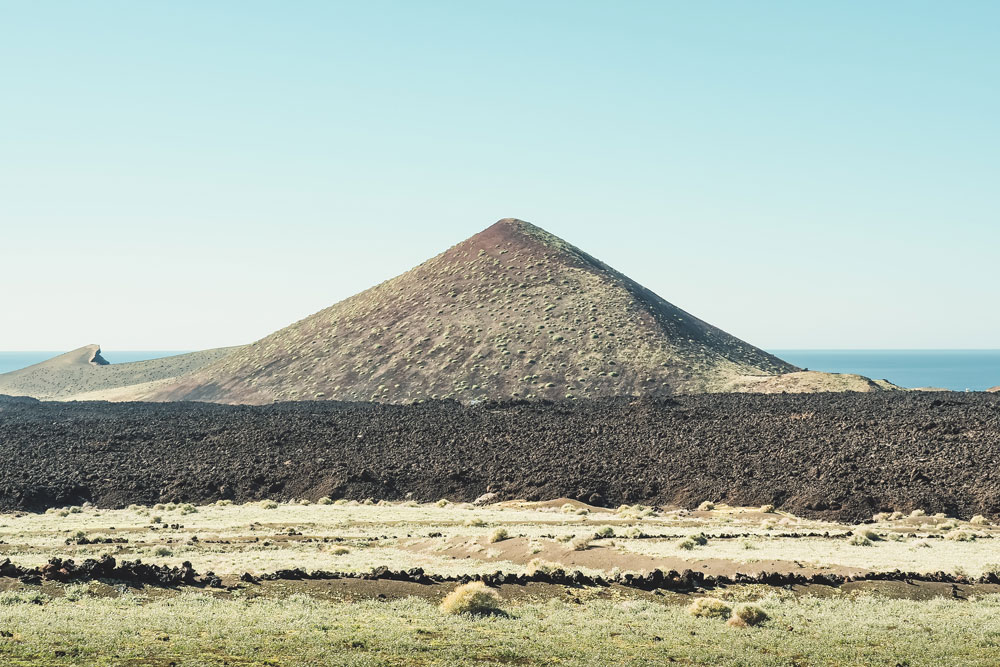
x,y
959,370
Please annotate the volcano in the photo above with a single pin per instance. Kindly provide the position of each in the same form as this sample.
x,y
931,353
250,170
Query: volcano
x,y
512,312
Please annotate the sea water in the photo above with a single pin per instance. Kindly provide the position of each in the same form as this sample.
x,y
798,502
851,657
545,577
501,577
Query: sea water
x,y
958,370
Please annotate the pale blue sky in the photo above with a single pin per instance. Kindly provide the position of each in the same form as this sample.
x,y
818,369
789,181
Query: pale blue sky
x,y
186,174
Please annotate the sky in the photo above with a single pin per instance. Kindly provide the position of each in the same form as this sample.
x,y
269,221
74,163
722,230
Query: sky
x,y
190,174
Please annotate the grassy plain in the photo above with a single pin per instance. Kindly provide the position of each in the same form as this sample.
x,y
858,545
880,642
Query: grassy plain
x,y
319,623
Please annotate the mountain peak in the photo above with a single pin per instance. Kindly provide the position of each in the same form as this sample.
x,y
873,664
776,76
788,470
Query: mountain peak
x,y
511,312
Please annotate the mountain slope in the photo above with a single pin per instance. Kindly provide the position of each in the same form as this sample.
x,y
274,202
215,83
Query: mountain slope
x,y
511,312
84,374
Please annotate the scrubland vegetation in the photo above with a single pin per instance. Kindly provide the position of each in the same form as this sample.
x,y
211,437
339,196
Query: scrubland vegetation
x,y
344,622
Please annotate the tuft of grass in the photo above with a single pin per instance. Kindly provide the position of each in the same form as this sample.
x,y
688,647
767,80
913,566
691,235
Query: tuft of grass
x,y
767,509
499,535
268,504
188,508
581,543
709,608
325,500
536,565
706,506
687,544
475,522
472,598
859,540
961,536
746,615
979,520
915,513
604,532
442,503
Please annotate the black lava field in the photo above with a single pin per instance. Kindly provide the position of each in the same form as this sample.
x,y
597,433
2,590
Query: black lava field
x,y
836,456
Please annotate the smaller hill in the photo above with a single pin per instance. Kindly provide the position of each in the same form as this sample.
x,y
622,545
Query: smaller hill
x,y
83,374
994,390
809,382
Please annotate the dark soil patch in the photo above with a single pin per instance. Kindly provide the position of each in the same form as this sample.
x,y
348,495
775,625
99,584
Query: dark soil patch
x,y
851,456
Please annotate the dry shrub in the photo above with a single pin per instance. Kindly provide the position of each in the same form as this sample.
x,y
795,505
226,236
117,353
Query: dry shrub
x,y
536,565
746,615
960,536
581,543
767,509
706,506
709,608
472,598
979,520
499,535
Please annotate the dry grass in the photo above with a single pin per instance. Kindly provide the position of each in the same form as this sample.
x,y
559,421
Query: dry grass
x,y
472,598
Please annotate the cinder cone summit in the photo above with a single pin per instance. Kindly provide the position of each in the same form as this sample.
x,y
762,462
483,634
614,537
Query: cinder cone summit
x,y
512,312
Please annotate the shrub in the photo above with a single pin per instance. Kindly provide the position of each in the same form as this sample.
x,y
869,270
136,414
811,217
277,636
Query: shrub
x,y
859,540
156,519
340,501
709,608
960,536
188,508
581,543
305,501
340,551
442,503
979,520
604,532
499,535
536,565
745,615
76,592
325,500
633,532
868,534
706,506
568,508
767,509
475,522
701,539
916,513
472,598
223,503
582,511
687,544
895,516
162,551
881,516
268,504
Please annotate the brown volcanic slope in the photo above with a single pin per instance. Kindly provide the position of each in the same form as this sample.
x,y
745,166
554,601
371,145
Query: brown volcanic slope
x,y
84,374
511,312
